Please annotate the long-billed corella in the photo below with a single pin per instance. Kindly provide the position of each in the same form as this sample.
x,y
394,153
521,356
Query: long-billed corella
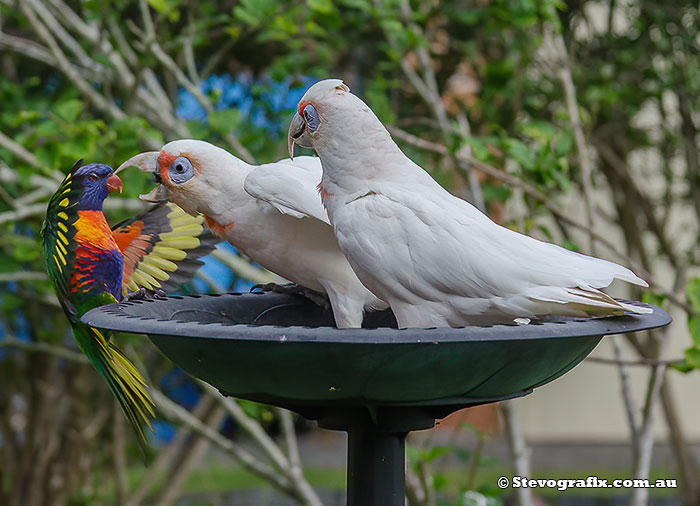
x,y
436,259
271,212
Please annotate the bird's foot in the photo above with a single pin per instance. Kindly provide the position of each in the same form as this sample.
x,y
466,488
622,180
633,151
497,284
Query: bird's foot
x,y
318,298
143,294
139,294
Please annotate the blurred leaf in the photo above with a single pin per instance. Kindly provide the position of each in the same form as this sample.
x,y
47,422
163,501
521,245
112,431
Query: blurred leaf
x,y
654,298
225,121
519,152
694,329
692,357
693,290
69,110
495,192
434,452
323,6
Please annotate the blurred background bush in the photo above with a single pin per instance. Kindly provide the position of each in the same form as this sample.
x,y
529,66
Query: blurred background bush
x,y
575,122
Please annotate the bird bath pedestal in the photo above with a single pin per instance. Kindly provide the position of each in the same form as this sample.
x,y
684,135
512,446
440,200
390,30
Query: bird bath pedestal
x,y
376,383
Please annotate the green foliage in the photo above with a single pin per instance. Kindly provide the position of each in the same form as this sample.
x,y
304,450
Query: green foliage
x,y
692,353
451,490
488,64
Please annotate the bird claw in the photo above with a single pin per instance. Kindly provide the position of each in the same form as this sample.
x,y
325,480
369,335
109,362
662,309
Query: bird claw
x,y
139,294
143,294
318,298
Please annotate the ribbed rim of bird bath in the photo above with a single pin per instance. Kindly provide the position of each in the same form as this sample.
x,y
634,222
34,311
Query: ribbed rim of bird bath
x,y
165,316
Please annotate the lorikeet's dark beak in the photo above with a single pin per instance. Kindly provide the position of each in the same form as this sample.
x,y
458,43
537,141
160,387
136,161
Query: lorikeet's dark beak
x,y
114,183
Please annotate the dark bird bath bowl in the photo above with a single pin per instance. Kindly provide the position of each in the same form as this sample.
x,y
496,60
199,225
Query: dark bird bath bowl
x,y
377,383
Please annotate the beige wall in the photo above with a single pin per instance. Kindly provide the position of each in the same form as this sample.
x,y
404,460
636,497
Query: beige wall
x,y
586,404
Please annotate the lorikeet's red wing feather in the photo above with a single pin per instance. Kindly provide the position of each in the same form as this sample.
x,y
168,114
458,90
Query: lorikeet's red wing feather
x,y
161,248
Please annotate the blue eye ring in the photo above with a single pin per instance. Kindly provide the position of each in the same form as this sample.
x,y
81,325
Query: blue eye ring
x,y
181,170
311,117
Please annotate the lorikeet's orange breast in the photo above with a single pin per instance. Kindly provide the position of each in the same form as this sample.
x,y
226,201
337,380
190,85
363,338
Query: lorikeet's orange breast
x,y
98,262
92,228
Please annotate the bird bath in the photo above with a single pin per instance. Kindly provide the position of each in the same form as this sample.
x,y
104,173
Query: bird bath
x,y
377,383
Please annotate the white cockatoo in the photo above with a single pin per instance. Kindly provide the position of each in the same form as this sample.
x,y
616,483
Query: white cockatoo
x,y
272,213
436,259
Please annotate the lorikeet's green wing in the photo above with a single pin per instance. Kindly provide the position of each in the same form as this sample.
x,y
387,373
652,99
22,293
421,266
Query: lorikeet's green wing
x,y
57,235
61,249
162,247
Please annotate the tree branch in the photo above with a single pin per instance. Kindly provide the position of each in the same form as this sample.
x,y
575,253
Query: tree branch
x,y
249,461
37,347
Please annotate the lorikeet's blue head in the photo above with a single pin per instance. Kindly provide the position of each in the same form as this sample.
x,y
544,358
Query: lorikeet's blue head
x,y
98,181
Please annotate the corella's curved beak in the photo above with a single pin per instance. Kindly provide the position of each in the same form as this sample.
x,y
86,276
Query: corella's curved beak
x,y
297,134
114,183
148,162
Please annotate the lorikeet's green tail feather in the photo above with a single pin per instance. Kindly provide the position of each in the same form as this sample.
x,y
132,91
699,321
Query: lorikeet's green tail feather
x,y
125,382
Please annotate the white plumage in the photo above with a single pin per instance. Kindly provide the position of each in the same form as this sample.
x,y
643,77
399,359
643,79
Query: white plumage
x,y
435,258
271,212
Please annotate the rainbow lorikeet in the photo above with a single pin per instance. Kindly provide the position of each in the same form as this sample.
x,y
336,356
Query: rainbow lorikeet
x,y
90,265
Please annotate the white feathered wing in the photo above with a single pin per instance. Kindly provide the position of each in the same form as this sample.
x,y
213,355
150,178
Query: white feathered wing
x,y
448,264
290,187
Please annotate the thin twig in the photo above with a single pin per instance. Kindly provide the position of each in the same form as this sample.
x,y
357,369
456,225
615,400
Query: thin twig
x,y
67,68
27,47
290,438
427,88
171,409
166,60
520,453
19,151
119,454
36,347
188,461
646,440
244,269
626,391
252,427
302,489
168,456
645,362
563,72
6,277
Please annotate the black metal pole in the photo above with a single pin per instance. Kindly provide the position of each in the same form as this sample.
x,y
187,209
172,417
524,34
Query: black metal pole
x,y
376,467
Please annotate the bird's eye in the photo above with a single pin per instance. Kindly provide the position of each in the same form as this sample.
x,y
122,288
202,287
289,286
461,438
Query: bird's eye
x,y
93,177
311,117
181,170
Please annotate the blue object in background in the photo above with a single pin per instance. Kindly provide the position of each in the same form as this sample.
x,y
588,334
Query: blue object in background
x,y
262,102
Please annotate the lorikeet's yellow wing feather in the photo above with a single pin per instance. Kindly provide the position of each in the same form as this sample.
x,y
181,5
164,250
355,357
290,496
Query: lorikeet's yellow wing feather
x,y
161,248
57,235
123,379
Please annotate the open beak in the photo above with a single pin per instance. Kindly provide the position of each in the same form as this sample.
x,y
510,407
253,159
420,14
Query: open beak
x,y
114,183
297,134
148,162
156,195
